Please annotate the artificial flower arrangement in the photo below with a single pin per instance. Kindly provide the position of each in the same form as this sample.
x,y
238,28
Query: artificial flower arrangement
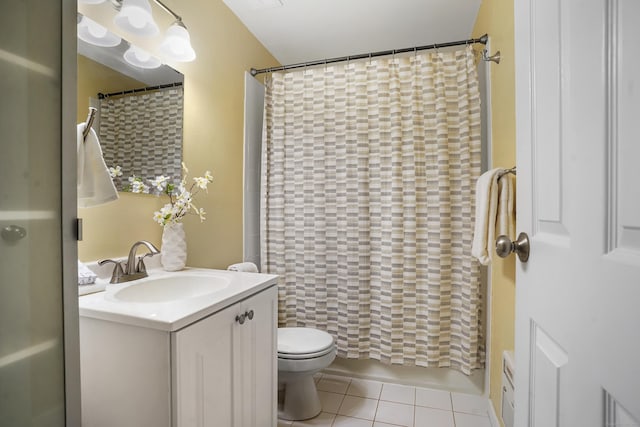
x,y
180,196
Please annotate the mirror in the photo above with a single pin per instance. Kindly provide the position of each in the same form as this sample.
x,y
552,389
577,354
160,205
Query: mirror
x,y
139,112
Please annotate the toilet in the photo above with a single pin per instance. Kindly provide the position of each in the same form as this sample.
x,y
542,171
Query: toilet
x,y
301,353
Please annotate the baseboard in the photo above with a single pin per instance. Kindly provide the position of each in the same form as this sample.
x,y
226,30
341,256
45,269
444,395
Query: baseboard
x,y
437,378
493,417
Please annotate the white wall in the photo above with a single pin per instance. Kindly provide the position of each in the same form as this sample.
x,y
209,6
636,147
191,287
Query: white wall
x,y
253,114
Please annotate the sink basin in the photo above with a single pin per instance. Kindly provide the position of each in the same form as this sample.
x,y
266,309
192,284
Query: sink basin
x,y
166,289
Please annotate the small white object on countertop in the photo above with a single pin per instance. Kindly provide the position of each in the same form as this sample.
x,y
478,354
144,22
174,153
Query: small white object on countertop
x,y
85,275
247,267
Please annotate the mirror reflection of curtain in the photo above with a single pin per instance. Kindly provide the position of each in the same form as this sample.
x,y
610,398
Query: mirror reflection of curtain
x,y
142,133
368,178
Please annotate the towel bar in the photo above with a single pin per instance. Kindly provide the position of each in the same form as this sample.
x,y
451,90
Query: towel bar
x,y
507,171
90,118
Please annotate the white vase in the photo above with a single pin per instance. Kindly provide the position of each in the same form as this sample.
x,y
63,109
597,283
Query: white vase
x,y
174,247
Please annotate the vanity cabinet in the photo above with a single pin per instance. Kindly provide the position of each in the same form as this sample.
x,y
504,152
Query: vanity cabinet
x,y
225,366
220,371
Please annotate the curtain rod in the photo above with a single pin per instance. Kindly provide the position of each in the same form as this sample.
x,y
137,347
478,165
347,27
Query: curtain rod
x,y
483,39
142,89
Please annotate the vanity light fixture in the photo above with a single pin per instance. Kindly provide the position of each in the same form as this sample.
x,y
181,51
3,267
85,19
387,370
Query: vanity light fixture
x,y
92,32
135,17
141,58
177,41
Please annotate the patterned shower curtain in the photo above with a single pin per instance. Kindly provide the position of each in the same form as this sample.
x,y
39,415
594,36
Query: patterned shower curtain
x,y
142,133
368,177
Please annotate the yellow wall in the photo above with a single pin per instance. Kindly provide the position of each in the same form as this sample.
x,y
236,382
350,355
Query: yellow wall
x,y
496,19
213,139
93,78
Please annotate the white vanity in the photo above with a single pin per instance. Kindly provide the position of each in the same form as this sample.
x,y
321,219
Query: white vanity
x,y
191,348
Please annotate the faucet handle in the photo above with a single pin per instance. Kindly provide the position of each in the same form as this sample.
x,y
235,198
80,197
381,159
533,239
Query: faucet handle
x,y
141,268
118,272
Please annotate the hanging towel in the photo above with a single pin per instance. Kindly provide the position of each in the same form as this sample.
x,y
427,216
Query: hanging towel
x,y
95,186
506,222
247,267
494,207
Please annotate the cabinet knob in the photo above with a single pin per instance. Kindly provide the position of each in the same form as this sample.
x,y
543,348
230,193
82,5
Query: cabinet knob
x,y
249,314
240,318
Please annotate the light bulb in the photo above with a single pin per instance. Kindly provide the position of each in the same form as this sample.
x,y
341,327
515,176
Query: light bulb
x,y
92,32
141,58
177,44
96,30
135,17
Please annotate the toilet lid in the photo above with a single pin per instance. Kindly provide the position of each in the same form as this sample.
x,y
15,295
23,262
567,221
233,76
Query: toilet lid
x,y
303,341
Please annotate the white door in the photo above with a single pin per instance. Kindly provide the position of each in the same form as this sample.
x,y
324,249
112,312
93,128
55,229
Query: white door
x,y
39,372
578,148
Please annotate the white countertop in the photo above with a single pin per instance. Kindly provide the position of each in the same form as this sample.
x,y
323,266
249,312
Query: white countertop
x,y
174,315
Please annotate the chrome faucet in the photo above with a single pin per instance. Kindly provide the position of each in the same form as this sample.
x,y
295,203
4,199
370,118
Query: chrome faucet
x,y
125,272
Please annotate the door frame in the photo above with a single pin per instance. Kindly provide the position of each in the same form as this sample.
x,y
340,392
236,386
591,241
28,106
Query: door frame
x,y
69,212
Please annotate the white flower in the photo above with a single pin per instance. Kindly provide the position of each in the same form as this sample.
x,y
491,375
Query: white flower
x,y
159,182
201,182
184,197
158,217
201,214
180,195
115,172
137,186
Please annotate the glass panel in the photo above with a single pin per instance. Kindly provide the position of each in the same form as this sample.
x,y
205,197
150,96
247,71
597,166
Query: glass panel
x,y
31,322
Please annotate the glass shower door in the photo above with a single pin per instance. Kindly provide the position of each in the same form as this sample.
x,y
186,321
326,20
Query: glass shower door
x,y
32,350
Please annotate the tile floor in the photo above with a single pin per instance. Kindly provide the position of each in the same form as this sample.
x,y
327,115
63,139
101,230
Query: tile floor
x,y
348,402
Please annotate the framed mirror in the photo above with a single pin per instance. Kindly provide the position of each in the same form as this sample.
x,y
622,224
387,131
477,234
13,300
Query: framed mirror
x,y
139,112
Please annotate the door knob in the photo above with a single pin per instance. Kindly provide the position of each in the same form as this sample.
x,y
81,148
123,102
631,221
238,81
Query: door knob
x,y
240,318
504,246
13,233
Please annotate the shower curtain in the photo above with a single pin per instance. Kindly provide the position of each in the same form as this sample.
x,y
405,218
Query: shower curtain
x,y
367,206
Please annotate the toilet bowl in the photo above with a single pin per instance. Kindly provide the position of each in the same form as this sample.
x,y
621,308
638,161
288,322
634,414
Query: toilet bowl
x,y
301,353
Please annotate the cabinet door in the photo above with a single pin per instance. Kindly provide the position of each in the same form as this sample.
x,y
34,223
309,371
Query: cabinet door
x,y
224,371
255,344
203,363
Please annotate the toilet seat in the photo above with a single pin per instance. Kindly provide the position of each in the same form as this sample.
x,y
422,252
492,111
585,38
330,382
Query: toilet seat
x,y
303,343
293,356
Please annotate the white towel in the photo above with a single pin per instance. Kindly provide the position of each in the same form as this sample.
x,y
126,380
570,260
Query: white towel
x,y
85,275
95,186
506,222
494,206
247,267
